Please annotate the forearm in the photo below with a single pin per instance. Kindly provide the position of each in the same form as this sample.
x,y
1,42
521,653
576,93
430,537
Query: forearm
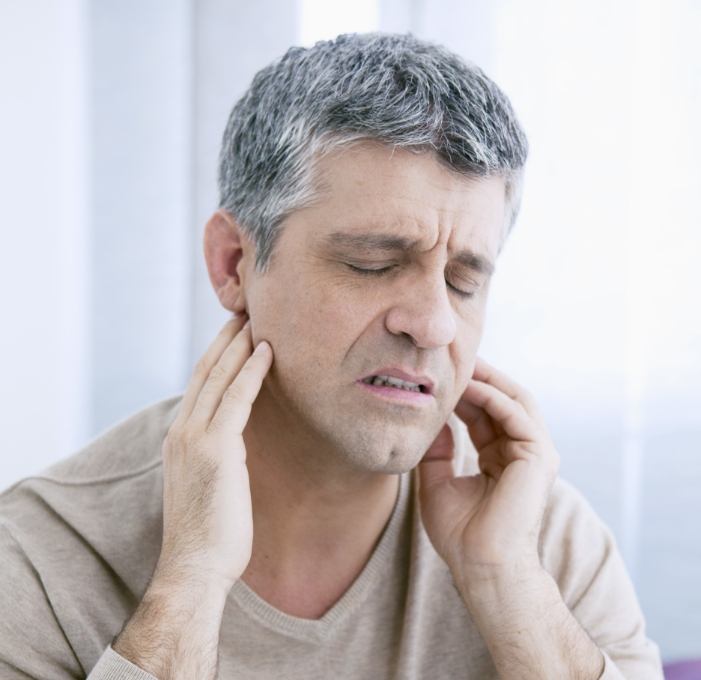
x,y
174,632
528,629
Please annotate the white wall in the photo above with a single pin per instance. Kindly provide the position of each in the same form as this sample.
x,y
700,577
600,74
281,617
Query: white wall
x,y
140,214
43,258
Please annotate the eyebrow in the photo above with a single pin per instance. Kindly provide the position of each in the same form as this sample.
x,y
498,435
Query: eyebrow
x,y
392,243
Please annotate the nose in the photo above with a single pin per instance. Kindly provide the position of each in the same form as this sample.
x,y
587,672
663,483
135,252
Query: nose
x,y
424,314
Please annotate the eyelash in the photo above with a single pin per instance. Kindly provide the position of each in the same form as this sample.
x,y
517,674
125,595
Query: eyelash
x,y
384,270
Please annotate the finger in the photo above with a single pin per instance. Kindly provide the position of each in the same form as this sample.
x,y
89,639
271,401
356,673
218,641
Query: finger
x,y
509,414
480,426
235,408
221,377
490,460
205,364
485,372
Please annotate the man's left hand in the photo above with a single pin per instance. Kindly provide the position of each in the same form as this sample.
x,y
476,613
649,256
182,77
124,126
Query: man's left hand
x,y
490,522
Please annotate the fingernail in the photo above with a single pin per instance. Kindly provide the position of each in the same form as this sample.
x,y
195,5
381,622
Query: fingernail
x,y
261,347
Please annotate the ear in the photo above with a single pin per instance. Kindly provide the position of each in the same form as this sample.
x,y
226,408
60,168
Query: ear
x,y
227,251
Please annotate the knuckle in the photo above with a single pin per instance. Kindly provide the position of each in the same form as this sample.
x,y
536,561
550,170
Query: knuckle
x,y
191,439
173,437
178,438
234,393
218,373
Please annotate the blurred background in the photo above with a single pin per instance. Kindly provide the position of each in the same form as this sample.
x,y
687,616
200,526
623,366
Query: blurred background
x,y
110,121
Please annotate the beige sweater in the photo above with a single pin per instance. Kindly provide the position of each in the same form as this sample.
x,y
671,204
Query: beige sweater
x,y
78,544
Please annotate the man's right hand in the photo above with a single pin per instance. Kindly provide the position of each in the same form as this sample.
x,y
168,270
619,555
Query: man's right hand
x,y
207,520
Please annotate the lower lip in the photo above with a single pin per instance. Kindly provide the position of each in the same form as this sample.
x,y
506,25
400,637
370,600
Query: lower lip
x,y
396,394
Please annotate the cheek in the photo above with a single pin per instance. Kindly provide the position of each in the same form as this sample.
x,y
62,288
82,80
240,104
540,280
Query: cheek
x,y
464,353
307,326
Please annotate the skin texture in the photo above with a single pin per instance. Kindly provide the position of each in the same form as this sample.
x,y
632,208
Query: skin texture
x,y
281,461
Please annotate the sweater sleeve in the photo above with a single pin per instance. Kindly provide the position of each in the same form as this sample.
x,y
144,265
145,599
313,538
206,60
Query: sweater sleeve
x,y
581,554
33,645
32,642
113,666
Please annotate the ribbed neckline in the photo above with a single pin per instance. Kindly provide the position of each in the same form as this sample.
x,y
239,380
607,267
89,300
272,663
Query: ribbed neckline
x,y
314,630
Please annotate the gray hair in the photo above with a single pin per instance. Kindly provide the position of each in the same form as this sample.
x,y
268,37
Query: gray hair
x,y
394,89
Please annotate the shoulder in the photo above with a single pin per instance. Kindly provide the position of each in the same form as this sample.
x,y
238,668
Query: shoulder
x,y
78,542
581,553
574,540
97,501
75,486
125,448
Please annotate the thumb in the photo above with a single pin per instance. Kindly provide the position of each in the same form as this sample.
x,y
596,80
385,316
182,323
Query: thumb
x,y
436,466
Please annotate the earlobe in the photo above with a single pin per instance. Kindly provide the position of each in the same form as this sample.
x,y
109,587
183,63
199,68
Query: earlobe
x,y
225,248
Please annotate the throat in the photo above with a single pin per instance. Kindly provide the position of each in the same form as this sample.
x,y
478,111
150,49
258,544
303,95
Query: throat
x,y
303,568
309,594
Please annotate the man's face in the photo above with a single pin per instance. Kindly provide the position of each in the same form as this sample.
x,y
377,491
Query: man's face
x,y
427,238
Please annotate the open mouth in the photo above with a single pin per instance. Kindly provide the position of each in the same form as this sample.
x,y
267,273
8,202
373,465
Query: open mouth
x,y
397,383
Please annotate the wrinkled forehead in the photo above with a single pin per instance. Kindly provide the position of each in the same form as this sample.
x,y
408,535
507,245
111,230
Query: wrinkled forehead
x,y
372,188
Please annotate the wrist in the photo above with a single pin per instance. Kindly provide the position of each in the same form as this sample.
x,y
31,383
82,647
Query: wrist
x,y
184,577
174,621
479,576
504,586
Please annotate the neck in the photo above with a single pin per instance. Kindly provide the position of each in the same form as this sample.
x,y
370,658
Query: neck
x,y
309,509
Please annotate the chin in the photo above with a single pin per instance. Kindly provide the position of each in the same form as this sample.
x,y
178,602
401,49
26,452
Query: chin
x,y
386,457
390,464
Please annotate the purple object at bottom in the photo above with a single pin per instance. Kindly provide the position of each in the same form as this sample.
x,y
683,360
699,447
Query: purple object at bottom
x,y
683,670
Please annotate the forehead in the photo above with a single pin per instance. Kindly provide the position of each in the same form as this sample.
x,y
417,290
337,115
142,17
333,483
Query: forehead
x,y
371,187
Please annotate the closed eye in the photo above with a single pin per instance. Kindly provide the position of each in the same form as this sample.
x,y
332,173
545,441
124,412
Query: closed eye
x,y
378,271
461,293
370,271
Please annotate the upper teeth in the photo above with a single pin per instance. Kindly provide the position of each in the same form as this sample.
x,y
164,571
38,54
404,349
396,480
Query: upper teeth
x,y
394,382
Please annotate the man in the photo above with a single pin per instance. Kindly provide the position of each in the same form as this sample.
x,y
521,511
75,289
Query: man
x,y
345,488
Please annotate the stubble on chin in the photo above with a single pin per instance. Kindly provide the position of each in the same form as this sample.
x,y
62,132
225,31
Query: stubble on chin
x,y
390,448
